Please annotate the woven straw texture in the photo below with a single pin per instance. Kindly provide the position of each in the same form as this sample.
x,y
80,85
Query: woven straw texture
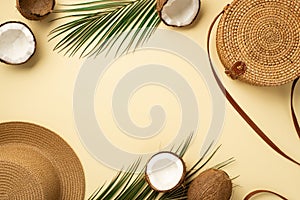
x,y
265,36
35,163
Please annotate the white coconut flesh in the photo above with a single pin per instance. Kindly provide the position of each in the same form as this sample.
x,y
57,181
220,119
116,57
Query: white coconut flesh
x,y
165,171
17,43
180,12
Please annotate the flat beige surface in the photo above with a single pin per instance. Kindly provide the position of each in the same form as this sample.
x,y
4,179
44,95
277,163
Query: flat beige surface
x,y
41,92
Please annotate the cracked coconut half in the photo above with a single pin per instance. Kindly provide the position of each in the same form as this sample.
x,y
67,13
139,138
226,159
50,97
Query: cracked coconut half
x,y
178,12
17,43
165,171
35,9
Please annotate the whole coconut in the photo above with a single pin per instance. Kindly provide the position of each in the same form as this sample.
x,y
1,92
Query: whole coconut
x,y
212,184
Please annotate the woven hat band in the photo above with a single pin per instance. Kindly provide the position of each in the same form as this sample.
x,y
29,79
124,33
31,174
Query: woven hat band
x,y
27,174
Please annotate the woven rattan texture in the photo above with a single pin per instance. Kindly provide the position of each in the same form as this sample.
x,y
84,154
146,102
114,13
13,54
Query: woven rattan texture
x,y
264,34
35,163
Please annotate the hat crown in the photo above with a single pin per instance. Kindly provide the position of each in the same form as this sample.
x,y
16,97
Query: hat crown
x,y
29,174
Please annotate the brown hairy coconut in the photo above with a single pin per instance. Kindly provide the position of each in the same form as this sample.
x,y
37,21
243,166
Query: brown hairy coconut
x,y
35,9
178,12
165,171
17,43
212,184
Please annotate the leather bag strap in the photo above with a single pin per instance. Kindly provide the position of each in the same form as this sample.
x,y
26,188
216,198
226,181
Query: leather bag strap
x,y
295,120
255,192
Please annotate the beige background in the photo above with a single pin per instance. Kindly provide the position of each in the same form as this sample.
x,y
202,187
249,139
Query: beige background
x,y
41,92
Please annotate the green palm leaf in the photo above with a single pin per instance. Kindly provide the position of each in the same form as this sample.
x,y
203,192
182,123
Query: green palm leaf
x,y
132,184
95,26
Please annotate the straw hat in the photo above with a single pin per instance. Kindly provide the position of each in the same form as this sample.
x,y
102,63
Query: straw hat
x,y
258,41
35,163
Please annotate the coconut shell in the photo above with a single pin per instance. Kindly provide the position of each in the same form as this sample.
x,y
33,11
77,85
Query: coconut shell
x,y
159,6
34,39
177,185
35,9
212,184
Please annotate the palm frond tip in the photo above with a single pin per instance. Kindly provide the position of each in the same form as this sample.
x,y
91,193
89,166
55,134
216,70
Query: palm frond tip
x,y
95,26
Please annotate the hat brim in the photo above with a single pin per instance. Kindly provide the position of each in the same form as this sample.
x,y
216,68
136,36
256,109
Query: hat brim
x,y
64,160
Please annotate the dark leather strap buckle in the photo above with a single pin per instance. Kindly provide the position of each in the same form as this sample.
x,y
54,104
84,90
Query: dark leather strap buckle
x,y
237,69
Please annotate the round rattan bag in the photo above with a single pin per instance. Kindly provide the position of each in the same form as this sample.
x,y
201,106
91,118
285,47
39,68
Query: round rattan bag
x,y
258,41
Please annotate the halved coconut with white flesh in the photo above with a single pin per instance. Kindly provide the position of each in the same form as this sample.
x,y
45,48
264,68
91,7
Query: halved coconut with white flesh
x,y
17,43
165,171
178,12
35,9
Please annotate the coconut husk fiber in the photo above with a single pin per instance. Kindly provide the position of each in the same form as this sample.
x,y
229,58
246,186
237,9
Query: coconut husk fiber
x,y
211,184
